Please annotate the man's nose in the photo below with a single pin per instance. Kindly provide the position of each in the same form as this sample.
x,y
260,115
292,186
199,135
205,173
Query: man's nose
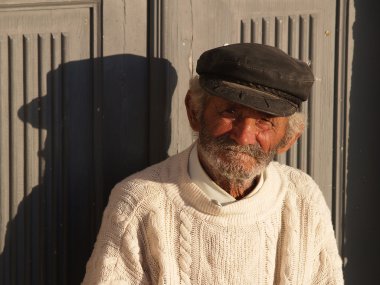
x,y
244,131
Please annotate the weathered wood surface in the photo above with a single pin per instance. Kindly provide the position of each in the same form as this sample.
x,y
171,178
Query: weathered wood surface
x,y
80,110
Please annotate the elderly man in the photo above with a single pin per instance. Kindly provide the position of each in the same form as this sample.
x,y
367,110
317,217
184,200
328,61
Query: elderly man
x,y
222,212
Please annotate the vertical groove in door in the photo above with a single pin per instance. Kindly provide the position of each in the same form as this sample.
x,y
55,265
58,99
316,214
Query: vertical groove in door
x,y
4,158
265,32
306,57
56,157
242,32
280,36
253,31
17,158
311,154
45,154
303,42
292,50
63,194
280,41
28,151
31,122
256,25
39,199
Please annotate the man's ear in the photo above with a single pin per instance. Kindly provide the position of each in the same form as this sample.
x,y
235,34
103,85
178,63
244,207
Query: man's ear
x,y
289,144
191,113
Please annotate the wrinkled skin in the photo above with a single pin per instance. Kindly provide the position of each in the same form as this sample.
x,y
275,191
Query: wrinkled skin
x,y
236,143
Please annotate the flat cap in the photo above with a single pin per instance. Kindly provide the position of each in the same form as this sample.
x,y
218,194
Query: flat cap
x,y
259,76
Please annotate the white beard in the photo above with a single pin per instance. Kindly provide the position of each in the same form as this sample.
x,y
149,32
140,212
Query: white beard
x,y
232,161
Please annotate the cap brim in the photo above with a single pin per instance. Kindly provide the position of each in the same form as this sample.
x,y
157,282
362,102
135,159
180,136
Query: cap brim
x,y
248,96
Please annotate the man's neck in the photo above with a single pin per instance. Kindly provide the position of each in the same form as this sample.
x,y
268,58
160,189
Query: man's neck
x,y
237,189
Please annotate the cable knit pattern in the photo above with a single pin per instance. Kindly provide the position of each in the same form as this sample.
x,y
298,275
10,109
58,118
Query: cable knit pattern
x,y
271,240
291,226
160,228
156,244
185,248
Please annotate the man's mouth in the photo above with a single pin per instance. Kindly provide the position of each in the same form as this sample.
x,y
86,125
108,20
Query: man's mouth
x,y
238,150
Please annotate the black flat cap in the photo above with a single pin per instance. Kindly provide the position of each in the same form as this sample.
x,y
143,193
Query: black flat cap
x,y
255,75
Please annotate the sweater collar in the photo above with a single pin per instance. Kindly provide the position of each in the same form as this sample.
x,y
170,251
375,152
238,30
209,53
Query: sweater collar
x,y
188,196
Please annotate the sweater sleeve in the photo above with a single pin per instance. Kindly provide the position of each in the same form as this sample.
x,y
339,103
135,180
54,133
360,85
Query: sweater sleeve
x,y
116,257
327,267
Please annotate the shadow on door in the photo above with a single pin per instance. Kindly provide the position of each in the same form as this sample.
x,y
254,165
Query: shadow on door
x,y
100,121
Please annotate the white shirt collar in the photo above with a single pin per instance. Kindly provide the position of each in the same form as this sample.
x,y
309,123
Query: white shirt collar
x,y
209,187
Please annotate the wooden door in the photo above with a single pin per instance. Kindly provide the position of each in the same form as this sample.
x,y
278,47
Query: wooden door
x,y
92,91
47,178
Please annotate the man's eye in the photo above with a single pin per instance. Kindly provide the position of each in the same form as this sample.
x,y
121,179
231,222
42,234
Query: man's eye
x,y
265,123
229,113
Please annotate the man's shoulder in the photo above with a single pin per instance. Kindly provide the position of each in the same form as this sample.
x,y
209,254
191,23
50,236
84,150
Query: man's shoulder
x,y
140,185
138,192
295,176
150,183
299,184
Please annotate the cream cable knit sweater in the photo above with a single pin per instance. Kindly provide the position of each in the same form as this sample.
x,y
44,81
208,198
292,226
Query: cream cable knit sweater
x,y
160,228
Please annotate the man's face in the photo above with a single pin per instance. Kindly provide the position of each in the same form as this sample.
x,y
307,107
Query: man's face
x,y
237,141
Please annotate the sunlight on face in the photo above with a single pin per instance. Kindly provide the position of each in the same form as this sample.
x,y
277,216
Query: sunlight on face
x,y
236,141
231,160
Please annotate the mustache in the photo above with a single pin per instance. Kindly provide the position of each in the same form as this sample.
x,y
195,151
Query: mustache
x,y
228,144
